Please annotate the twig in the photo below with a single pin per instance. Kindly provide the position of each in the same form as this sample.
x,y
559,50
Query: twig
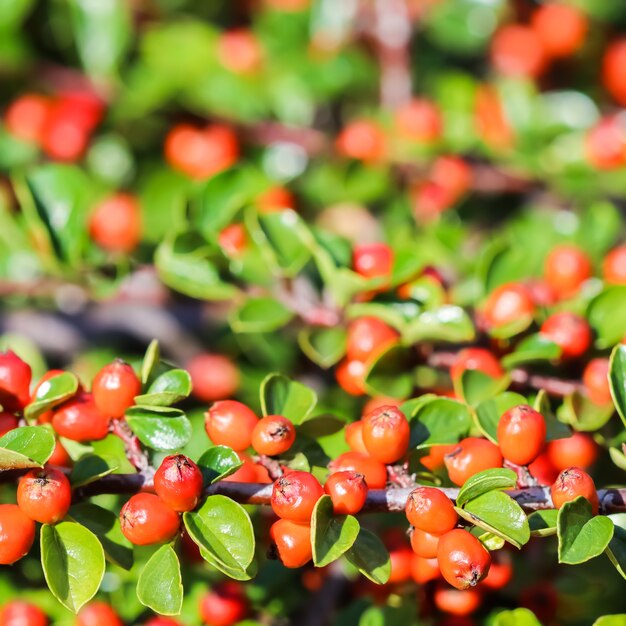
x,y
133,448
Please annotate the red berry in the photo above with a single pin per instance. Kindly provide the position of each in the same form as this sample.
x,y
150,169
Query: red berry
x,y
159,620
570,332
347,490
80,420
20,613
434,460
273,435
566,269
560,27
291,543
45,495
419,120
98,614
233,240
491,120
470,456
542,469
596,381
295,495
239,51
507,304
59,457
351,376
456,601
373,260
386,434
27,116
230,423
517,51
430,510
476,359
8,422
115,387
247,473
115,223
275,199
354,437
605,144
570,484
401,558
15,378
17,533
424,544
500,574
213,376
367,337
64,138
424,570
374,471
463,560
363,140
225,605
453,174
579,450
614,70
178,482
146,519
614,265
521,434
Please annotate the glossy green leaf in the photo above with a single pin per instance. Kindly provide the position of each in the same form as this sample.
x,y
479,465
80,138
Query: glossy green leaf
x,y
218,462
554,428
543,523
487,480
532,349
476,387
51,393
283,396
160,585
223,529
516,617
389,374
92,467
370,557
105,525
489,412
447,323
150,361
28,446
236,573
618,457
611,620
159,430
260,315
582,536
73,563
324,346
331,535
169,388
608,327
440,421
498,513
583,414
617,379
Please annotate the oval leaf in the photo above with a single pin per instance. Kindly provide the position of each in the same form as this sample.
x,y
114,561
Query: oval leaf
x,y
160,433
51,393
218,462
260,315
283,396
488,412
28,446
90,468
487,480
331,535
167,389
617,379
370,557
543,523
160,586
439,421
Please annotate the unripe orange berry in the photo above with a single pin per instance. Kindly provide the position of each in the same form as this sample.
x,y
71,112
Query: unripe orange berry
x,y
115,387
521,434
470,456
98,614
225,605
80,420
230,423
45,495
476,359
295,495
507,304
596,381
570,332
614,266
367,337
570,484
146,519
347,490
566,268
424,544
15,378
374,471
560,27
578,450
20,613
115,223
273,435
430,510
178,482
463,560
17,533
386,434
291,543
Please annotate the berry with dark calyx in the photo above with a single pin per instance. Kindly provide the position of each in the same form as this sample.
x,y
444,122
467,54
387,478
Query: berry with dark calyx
x,y
476,359
291,543
146,519
596,381
80,420
386,434
566,268
17,533
230,423
98,614
367,337
521,434
571,483
295,495
178,482
430,510
115,223
348,492
507,304
15,378
614,266
115,387
374,471
273,435
463,560
570,332
578,450
225,605
45,495
20,613
424,544
470,456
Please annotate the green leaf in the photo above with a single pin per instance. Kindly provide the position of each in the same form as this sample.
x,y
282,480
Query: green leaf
x,y
51,393
543,523
370,557
583,414
487,480
516,617
554,428
260,315
150,361
324,346
160,585
236,573
169,388
618,457
498,513
389,374
447,323
106,526
439,421
223,528
73,563
489,411
331,535
581,535
218,462
476,386
159,430
617,379
616,550
90,468
28,446
608,327
531,349
289,398
611,620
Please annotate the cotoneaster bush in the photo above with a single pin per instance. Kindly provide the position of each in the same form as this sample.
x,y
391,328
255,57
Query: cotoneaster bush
x,y
313,312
